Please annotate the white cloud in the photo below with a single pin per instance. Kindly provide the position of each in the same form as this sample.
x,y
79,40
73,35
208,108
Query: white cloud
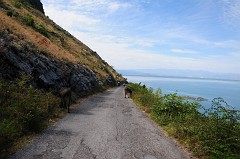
x,y
235,44
228,63
114,6
122,56
191,38
183,51
231,12
70,19
145,42
102,5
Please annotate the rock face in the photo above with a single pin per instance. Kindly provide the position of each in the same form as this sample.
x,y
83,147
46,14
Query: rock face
x,y
27,53
36,4
46,72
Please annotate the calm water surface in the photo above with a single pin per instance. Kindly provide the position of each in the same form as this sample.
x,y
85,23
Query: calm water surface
x,y
208,89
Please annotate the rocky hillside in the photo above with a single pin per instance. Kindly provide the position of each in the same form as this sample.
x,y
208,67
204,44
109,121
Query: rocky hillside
x,y
33,45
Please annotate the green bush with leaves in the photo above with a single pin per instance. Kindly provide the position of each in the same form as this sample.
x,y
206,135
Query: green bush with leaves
x,y
41,29
17,3
214,134
145,96
23,109
222,133
28,20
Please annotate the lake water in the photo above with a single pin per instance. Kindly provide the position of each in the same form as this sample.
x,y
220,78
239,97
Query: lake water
x,y
208,89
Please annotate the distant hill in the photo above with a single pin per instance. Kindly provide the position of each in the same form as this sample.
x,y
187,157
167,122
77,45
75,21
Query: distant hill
x,y
32,44
180,73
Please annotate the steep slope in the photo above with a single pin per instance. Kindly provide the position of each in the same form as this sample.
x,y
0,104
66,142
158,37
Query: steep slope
x,y
32,44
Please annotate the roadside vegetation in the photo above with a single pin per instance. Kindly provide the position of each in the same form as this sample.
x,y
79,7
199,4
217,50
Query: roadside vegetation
x,y
213,134
24,111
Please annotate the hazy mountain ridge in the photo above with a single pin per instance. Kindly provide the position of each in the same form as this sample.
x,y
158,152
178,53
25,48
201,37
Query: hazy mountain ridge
x,y
180,73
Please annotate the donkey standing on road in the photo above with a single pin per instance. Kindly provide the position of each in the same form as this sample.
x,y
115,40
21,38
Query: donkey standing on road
x,y
127,91
65,92
66,97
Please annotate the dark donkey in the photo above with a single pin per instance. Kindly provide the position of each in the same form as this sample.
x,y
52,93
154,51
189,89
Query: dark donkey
x,y
65,92
127,91
66,97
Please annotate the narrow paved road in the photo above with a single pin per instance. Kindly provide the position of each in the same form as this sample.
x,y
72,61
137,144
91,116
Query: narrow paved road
x,y
105,126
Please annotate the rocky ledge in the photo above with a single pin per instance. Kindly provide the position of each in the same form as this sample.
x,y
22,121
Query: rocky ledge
x,y
46,72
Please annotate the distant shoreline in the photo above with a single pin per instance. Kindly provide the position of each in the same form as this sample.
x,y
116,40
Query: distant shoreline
x,y
183,77
194,87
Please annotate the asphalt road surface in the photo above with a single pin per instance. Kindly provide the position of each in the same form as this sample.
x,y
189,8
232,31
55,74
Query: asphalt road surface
x,y
105,126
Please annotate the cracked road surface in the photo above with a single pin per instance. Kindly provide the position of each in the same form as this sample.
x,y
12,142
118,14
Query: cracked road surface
x,y
104,126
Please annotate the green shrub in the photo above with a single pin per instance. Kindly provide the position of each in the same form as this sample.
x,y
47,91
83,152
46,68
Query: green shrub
x,y
17,3
23,109
145,96
173,106
221,136
41,29
28,20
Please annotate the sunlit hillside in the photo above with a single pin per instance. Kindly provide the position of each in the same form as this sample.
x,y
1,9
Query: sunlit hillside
x,y
26,26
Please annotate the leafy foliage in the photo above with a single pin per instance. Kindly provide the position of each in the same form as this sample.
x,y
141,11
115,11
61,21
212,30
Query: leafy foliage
x,y
23,110
224,128
17,3
41,29
214,134
28,20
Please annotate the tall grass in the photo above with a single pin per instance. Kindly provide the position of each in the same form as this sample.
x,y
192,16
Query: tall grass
x,y
213,134
23,110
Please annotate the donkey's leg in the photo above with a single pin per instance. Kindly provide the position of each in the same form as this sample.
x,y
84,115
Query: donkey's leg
x,y
65,102
68,104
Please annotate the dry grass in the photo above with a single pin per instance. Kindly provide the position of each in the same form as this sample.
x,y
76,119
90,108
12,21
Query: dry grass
x,y
69,49
34,37
52,47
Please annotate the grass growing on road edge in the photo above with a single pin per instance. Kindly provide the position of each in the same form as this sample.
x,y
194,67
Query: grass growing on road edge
x,y
23,111
214,134
26,111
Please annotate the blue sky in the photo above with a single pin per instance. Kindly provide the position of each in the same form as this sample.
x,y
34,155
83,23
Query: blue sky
x,y
156,34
